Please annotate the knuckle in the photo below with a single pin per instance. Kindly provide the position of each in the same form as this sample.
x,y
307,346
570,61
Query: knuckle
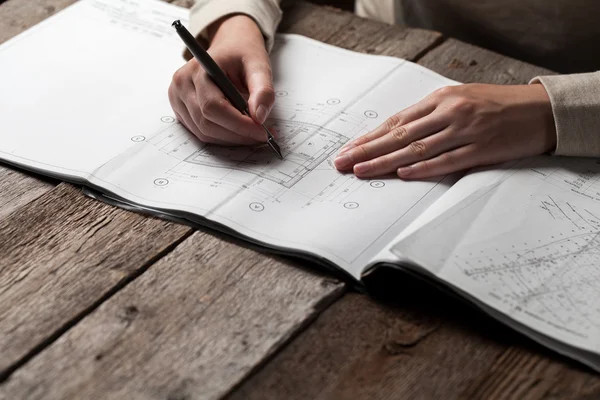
x,y
362,152
179,77
399,133
268,92
445,91
210,107
384,162
392,122
463,105
448,158
172,93
418,148
203,125
424,166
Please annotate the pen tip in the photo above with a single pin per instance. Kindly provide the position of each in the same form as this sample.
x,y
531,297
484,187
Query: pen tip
x,y
176,24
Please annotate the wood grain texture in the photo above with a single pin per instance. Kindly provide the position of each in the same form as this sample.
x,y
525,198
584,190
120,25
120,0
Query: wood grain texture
x,y
61,254
191,327
18,15
343,29
414,342
18,188
466,63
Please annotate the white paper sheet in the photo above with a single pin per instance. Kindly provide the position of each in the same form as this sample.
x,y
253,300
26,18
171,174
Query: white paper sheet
x,y
85,96
523,240
303,202
77,87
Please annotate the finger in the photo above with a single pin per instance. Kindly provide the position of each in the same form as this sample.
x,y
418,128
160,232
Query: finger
x,y
451,161
418,150
210,129
396,139
186,120
212,105
412,113
260,85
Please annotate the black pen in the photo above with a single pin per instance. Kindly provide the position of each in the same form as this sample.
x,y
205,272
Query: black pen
x,y
220,79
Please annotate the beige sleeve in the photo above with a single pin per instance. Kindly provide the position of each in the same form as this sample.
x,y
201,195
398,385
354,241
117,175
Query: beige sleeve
x,y
576,106
266,13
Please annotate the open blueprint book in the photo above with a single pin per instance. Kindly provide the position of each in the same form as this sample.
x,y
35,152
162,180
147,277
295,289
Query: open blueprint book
x,y
520,241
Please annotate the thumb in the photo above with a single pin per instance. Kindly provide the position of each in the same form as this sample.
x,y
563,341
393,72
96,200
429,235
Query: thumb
x,y
260,85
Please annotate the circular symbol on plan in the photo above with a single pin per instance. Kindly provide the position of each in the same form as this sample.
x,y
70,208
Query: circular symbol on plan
x,y
138,138
377,184
161,182
371,114
333,102
281,93
351,205
167,119
256,207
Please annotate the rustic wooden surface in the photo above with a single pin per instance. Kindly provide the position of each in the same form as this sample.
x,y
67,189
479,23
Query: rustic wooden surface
x,y
97,302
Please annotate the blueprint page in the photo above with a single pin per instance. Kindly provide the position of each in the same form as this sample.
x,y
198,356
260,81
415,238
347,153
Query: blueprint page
x,y
74,87
325,96
524,240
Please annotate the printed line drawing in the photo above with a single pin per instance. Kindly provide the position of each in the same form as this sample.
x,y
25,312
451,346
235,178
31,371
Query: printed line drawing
x,y
309,134
555,277
258,207
305,147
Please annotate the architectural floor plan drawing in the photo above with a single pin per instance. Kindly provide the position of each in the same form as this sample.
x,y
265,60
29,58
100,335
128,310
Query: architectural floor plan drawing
x,y
304,147
309,134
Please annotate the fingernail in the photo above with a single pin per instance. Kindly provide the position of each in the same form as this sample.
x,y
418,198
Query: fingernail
x,y
404,172
261,114
362,168
342,161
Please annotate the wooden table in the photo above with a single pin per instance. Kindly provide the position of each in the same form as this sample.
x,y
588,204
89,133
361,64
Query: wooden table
x,y
97,302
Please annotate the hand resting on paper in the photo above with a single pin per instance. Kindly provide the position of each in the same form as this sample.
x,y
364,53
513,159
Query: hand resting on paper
x,y
237,45
455,128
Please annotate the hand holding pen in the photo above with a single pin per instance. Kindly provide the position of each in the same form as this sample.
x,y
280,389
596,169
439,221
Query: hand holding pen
x,y
205,104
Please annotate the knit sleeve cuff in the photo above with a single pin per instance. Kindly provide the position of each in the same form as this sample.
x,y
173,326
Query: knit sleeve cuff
x,y
266,14
575,103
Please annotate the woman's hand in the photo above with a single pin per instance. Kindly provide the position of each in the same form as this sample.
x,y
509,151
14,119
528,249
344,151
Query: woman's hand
x,y
455,128
238,47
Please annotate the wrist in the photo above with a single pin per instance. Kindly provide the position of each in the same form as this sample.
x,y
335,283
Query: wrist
x,y
239,27
544,106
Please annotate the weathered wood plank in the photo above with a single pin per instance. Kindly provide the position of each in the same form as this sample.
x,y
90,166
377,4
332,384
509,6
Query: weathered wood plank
x,y
413,342
359,348
18,188
343,29
17,15
532,373
192,326
60,255
466,63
